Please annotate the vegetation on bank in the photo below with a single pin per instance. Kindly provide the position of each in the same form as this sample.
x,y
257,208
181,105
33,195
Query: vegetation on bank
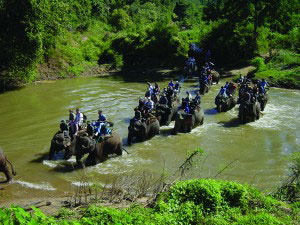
x,y
50,38
187,202
197,201
281,69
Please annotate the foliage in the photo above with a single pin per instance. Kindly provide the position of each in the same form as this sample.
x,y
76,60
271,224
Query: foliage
x,y
72,36
259,63
187,202
281,69
290,188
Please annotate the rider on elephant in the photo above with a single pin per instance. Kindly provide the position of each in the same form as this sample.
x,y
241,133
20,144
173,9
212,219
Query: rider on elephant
x,y
163,100
171,84
177,87
100,122
197,99
71,123
149,104
170,94
188,97
207,56
78,120
185,106
264,85
230,89
150,89
222,92
156,89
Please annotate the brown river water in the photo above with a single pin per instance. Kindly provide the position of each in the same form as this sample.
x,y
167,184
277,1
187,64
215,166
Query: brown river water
x,y
30,116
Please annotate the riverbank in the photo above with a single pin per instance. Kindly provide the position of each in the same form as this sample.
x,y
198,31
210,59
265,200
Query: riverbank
x,y
48,74
199,201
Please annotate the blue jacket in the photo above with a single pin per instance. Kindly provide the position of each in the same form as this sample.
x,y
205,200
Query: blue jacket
x,y
102,118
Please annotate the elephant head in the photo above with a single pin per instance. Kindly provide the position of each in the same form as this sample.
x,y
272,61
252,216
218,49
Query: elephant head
x,y
137,129
163,114
59,142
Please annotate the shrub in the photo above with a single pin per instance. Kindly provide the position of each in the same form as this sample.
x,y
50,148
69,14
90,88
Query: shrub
x,y
259,63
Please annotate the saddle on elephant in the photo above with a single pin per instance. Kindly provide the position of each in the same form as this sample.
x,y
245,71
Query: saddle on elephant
x,y
150,119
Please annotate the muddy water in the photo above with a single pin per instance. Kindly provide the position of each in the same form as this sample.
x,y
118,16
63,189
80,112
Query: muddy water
x,y
30,116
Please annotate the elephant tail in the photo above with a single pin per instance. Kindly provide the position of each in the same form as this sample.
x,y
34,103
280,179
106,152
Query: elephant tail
x,y
124,149
12,168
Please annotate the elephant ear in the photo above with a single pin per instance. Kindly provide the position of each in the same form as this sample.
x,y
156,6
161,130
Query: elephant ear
x,y
59,139
84,141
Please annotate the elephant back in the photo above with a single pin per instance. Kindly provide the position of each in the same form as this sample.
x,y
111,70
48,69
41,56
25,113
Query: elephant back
x,y
112,145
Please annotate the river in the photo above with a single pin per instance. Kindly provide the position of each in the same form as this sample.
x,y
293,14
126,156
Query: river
x,y
257,152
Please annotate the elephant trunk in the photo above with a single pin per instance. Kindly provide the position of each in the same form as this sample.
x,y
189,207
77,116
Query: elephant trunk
x,y
52,151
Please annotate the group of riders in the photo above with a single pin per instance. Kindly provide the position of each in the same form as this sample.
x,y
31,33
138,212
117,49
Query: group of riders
x,y
200,60
78,121
155,98
248,94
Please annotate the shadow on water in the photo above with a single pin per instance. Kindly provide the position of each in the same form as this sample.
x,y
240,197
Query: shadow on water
x,y
65,167
40,157
235,122
166,131
147,75
212,111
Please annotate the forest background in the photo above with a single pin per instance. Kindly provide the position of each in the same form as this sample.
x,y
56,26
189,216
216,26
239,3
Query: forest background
x,y
46,39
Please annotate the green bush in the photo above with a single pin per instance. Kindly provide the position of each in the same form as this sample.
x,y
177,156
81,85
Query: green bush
x,y
259,63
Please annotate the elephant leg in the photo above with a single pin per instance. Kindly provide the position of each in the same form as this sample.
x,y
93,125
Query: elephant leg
x,y
79,161
67,154
202,120
7,173
119,150
52,151
189,129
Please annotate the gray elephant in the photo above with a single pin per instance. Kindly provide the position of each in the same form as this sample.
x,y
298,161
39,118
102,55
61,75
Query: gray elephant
x,y
223,104
263,99
165,114
60,141
215,76
186,122
142,130
4,167
204,87
249,112
98,149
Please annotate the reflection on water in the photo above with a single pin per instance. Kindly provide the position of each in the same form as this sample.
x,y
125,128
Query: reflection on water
x,y
30,116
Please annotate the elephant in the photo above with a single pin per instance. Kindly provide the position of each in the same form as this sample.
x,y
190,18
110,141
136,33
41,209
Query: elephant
x,y
4,167
98,149
249,112
223,104
204,87
186,122
142,130
190,70
60,141
165,114
263,99
215,76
